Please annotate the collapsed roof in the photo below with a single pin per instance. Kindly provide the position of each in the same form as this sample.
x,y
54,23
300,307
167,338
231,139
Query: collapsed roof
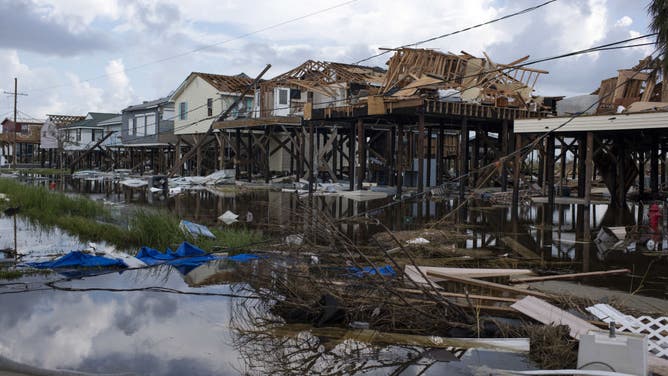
x,y
422,72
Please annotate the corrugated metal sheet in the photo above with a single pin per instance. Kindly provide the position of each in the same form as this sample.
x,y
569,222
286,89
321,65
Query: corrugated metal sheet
x,y
616,122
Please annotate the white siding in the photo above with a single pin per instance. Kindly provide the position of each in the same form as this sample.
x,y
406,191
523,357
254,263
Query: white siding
x,y
594,123
196,95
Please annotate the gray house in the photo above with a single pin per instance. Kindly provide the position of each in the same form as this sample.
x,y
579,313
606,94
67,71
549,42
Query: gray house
x,y
149,124
147,134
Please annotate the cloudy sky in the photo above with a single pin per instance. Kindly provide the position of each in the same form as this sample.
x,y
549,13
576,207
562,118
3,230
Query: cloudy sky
x,y
76,56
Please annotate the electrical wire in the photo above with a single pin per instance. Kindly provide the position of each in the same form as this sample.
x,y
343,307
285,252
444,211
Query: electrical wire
x,y
504,70
523,11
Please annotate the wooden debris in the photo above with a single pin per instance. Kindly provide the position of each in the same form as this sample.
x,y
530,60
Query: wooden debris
x,y
519,248
487,284
570,276
548,314
414,274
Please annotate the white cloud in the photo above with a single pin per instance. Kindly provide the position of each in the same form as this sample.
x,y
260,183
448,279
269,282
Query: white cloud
x,y
625,21
78,14
578,27
120,92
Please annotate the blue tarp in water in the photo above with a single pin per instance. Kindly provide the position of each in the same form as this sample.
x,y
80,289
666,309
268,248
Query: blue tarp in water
x,y
385,271
185,258
77,259
244,257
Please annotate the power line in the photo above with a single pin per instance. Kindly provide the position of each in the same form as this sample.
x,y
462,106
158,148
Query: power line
x,y
185,53
604,47
523,11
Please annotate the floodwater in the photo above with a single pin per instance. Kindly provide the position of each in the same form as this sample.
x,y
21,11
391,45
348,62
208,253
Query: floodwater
x,y
197,331
557,233
204,330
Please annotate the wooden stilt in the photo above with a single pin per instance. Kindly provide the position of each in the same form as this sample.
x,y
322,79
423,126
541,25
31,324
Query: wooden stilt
x,y
351,157
311,155
641,173
654,168
237,153
517,166
504,137
420,153
267,159
549,170
361,153
400,158
439,155
589,167
582,165
429,156
251,156
463,158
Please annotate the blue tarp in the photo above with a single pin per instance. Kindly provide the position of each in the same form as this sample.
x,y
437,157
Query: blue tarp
x,y
244,257
77,259
385,271
185,258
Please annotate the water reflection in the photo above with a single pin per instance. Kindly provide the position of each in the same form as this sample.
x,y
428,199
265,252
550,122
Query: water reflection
x,y
152,333
557,233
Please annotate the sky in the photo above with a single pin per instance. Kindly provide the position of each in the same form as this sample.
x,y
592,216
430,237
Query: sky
x,y
79,56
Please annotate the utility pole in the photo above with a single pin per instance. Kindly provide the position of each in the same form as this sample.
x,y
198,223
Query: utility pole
x,y
15,93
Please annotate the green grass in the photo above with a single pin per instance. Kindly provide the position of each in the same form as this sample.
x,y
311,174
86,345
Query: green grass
x,y
9,274
88,220
159,228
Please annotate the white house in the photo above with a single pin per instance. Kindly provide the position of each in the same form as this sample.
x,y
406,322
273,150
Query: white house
x,y
203,97
112,125
85,133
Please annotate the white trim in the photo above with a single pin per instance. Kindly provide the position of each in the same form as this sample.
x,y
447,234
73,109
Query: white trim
x,y
614,122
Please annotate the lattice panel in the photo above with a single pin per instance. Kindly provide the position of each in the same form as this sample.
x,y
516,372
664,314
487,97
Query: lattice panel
x,y
656,329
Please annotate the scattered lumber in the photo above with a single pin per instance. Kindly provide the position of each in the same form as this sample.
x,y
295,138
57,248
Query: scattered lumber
x,y
487,284
519,248
548,314
416,273
570,276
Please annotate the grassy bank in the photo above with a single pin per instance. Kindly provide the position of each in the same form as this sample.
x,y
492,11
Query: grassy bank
x,y
88,220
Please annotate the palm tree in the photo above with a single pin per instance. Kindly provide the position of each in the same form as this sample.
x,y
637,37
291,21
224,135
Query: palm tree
x,y
658,11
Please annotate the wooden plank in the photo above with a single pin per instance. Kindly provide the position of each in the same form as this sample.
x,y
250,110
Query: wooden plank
x,y
462,296
487,284
570,276
376,105
413,272
519,248
548,314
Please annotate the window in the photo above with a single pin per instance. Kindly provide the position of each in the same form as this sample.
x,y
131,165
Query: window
x,y
25,129
79,134
150,124
134,127
209,107
183,111
141,125
282,96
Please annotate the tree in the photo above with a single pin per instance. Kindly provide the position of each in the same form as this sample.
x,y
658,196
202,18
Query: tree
x,y
658,11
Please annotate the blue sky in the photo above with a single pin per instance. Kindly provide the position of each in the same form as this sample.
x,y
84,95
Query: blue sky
x,y
76,56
